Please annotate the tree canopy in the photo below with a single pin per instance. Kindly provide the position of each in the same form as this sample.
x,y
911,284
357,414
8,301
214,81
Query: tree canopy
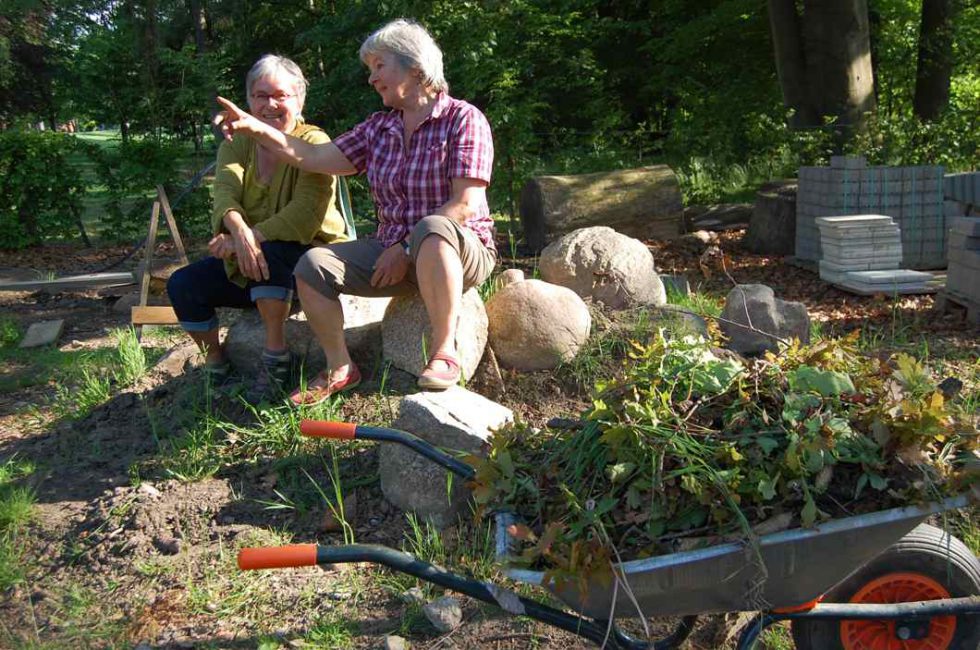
x,y
568,85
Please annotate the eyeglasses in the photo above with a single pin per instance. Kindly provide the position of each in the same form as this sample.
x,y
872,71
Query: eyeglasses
x,y
278,97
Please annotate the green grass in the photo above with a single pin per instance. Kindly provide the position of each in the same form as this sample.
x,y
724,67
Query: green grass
x,y
9,332
16,510
92,378
331,631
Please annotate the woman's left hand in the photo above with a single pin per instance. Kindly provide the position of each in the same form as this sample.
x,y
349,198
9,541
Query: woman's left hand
x,y
391,267
222,246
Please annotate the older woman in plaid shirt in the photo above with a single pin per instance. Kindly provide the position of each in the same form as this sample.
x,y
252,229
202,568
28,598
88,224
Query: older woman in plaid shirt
x,y
428,163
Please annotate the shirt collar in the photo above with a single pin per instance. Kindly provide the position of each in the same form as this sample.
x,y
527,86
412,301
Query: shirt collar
x,y
443,100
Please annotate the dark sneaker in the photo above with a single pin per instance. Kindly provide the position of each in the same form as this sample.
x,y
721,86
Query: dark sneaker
x,y
272,380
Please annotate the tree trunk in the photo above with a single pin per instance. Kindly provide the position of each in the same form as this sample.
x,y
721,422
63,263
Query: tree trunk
x,y
837,43
823,60
784,21
643,203
935,59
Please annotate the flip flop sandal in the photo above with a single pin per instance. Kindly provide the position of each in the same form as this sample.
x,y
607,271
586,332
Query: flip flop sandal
x,y
316,394
433,379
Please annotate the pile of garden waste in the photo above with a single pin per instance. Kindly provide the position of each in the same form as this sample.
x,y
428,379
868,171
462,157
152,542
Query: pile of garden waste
x,y
692,446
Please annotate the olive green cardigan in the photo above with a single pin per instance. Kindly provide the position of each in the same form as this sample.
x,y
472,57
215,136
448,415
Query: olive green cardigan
x,y
295,206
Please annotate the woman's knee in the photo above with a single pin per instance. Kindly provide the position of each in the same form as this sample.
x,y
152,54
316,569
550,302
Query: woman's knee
x,y
180,285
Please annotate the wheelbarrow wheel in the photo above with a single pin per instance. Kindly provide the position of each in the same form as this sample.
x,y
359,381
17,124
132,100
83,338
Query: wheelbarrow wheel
x,y
926,564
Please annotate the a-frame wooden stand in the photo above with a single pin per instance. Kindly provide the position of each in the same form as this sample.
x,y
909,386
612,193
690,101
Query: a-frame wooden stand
x,y
143,314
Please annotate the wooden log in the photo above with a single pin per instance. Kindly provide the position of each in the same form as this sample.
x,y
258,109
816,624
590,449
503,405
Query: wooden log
x,y
772,230
644,203
717,218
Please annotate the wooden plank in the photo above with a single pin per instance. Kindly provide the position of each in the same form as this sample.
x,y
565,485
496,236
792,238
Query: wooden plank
x,y
151,242
143,315
172,224
72,282
43,333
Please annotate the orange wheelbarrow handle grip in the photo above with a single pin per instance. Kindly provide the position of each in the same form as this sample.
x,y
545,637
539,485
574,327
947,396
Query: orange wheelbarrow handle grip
x,y
277,557
325,429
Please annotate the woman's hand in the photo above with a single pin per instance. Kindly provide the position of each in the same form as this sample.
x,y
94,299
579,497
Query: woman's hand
x,y
391,267
221,246
251,261
234,120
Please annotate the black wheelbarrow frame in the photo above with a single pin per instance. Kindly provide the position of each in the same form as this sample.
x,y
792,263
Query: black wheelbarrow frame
x,y
911,617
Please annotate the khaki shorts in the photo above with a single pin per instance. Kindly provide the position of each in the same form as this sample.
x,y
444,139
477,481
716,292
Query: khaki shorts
x,y
347,267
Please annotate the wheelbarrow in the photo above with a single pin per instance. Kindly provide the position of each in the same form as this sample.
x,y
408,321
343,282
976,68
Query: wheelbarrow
x,y
879,581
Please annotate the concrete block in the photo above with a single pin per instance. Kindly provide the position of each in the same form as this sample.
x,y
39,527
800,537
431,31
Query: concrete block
x,y
969,226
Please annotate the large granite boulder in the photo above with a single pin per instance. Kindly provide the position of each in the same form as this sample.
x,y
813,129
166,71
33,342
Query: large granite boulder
x,y
454,419
752,311
604,265
406,333
535,325
362,331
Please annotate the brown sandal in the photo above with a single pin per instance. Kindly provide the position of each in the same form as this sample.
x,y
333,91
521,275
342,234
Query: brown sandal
x,y
316,394
433,379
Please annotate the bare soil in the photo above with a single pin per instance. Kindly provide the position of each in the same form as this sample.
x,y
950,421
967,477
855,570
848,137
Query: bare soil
x,y
120,554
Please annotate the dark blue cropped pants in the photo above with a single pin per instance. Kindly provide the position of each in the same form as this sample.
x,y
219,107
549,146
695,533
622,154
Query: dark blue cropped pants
x,y
198,288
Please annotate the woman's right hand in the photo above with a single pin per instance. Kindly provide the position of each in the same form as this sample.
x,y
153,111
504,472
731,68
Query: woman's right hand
x,y
234,120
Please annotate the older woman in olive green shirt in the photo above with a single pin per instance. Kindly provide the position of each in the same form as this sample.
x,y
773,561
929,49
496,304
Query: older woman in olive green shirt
x,y
266,216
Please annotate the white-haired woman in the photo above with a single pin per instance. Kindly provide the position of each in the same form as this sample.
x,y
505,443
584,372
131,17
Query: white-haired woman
x,y
428,163
266,216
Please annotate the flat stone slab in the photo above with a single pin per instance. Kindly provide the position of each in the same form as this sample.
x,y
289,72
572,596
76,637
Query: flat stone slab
x,y
887,264
861,220
42,333
862,289
897,276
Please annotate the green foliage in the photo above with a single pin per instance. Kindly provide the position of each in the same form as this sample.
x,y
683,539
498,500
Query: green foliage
x,y
685,444
41,192
9,332
130,174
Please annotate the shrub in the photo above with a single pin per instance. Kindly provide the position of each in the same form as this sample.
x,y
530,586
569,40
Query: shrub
x,y
41,191
131,173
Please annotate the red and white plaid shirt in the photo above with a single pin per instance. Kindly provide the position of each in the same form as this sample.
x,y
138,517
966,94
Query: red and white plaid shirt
x,y
453,142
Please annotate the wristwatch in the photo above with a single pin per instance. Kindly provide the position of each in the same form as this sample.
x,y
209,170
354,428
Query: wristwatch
x,y
406,247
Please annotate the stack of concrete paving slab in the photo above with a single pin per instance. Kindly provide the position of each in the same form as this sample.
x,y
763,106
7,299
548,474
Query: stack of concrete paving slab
x,y
863,253
912,196
963,275
962,195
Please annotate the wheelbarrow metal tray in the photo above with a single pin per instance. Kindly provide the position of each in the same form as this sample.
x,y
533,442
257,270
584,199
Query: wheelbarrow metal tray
x,y
796,567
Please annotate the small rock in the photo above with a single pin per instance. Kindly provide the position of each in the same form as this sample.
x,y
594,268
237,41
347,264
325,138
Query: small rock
x,y
338,595
211,607
395,643
143,646
167,545
148,489
413,595
510,276
331,521
445,614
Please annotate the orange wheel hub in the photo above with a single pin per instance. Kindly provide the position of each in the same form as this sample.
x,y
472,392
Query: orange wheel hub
x,y
882,634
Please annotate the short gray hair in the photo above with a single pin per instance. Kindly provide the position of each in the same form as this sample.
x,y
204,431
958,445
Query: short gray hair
x,y
273,65
413,47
